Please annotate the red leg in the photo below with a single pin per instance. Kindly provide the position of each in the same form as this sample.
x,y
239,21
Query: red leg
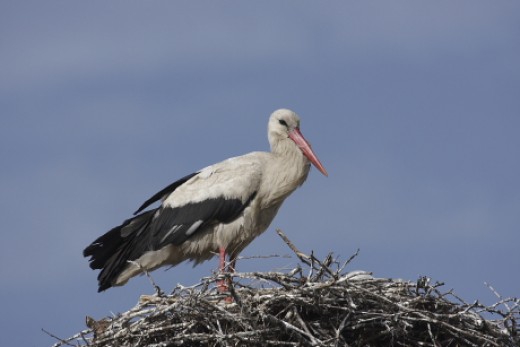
x,y
222,259
221,284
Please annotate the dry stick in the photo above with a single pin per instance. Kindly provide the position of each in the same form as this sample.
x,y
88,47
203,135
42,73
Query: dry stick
x,y
434,343
340,329
83,338
303,257
289,326
249,257
66,342
302,323
497,295
158,290
348,261
324,266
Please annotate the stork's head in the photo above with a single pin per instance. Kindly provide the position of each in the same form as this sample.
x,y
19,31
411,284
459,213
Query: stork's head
x,y
284,125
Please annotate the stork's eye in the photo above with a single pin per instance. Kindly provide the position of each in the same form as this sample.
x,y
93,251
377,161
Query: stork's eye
x,y
284,123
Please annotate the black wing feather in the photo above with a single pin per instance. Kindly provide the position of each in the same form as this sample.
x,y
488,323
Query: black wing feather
x,y
169,189
112,251
172,225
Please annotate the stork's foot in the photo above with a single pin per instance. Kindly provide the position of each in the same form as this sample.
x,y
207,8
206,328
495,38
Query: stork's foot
x,y
222,286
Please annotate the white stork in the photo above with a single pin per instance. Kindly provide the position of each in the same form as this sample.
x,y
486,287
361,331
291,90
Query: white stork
x,y
217,210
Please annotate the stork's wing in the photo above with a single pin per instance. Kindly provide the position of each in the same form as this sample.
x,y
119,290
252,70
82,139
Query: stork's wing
x,y
217,194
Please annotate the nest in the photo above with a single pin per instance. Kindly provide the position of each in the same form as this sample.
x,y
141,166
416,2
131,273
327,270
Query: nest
x,y
317,303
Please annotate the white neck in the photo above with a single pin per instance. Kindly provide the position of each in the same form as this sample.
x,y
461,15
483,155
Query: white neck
x,y
287,170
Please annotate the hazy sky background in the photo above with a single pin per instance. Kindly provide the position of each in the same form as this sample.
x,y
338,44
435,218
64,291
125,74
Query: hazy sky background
x,y
413,108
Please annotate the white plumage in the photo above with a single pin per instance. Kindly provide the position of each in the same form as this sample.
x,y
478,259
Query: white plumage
x,y
219,209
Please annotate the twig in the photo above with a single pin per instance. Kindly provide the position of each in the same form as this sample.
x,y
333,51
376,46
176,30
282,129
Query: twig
x,y
302,256
158,290
62,341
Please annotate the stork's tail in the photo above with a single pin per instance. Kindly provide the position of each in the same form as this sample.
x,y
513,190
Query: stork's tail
x,y
112,251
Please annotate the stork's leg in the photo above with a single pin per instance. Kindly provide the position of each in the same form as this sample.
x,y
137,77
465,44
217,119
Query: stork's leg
x,y
222,259
221,284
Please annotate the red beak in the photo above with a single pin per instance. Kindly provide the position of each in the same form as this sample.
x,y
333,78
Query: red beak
x,y
305,146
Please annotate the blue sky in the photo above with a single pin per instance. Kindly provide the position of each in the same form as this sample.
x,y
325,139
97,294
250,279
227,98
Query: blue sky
x,y
413,108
